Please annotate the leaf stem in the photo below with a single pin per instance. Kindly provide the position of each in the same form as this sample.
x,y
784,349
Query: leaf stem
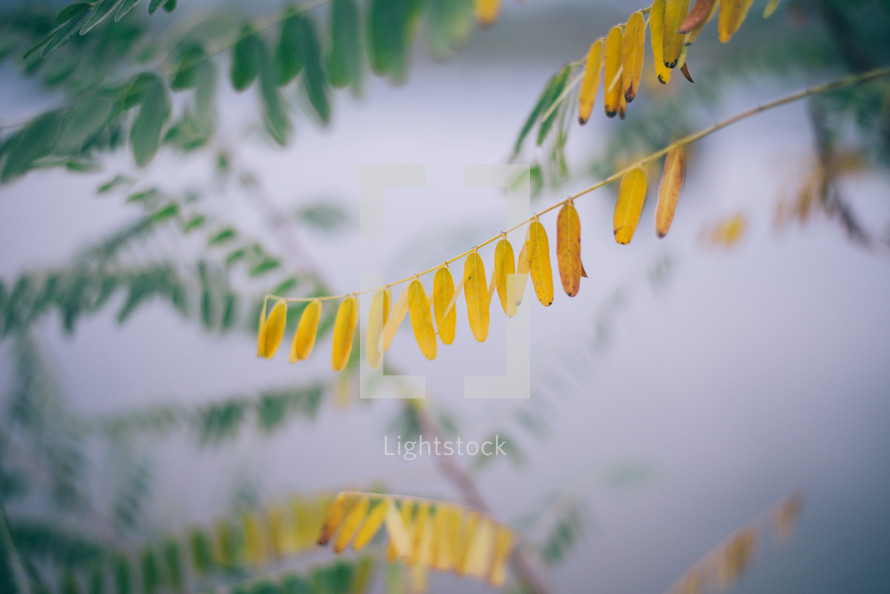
x,y
846,81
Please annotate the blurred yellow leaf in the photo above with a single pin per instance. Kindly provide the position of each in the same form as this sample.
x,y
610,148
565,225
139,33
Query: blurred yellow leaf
x,y
631,196
591,81
307,329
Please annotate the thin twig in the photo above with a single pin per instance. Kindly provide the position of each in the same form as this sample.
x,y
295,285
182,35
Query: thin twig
x,y
840,83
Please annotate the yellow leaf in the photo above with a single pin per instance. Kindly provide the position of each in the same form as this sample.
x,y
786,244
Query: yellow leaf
x,y
261,334
443,295
669,189
504,269
344,330
487,11
443,544
656,31
353,518
372,524
377,318
568,248
700,13
672,45
480,549
254,541
612,86
304,339
281,538
272,330
732,14
422,319
502,548
770,8
631,195
539,263
332,519
225,543
476,293
399,530
464,541
422,550
516,288
395,320
730,231
632,54
591,81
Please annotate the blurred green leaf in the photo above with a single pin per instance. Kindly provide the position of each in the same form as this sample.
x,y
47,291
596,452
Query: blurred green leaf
x,y
289,51
275,116
560,81
101,9
345,54
145,135
222,237
32,142
245,61
71,11
314,81
125,7
389,35
448,25
186,76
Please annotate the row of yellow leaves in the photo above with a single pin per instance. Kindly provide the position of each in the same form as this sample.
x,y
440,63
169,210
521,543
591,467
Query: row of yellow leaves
x,y
279,532
724,564
617,59
423,534
439,318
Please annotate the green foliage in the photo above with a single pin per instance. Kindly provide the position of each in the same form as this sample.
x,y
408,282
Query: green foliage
x,y
98,95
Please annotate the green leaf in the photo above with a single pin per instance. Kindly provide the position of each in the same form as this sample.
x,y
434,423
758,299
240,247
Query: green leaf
x,y
389,35
34,141
114,183
170,6
245,63
448,25
123,574
100,11
559,85
285,287
205,93
201,551
173,564
194,223
134,90
186,76
171,210
314,81
63,34
236,255
345,55
71,11
87,119
229,311
545,100
207,308
289,51
125,7
264,266
154,5
222,237
145,135
151,572
275,116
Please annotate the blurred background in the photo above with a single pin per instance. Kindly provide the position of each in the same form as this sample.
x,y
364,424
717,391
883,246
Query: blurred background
x,y
694,382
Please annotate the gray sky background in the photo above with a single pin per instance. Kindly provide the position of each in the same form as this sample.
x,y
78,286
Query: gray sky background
x,y
751,372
